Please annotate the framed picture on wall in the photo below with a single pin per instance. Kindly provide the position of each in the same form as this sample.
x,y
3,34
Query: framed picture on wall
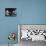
x,y
10,11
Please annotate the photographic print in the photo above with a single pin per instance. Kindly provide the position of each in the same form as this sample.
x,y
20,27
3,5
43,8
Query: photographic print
x,y
10,11
31,33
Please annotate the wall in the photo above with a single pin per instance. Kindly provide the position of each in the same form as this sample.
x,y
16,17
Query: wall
x,y
28,12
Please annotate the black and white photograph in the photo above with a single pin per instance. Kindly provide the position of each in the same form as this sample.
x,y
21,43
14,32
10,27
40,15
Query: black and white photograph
x,y
10,11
